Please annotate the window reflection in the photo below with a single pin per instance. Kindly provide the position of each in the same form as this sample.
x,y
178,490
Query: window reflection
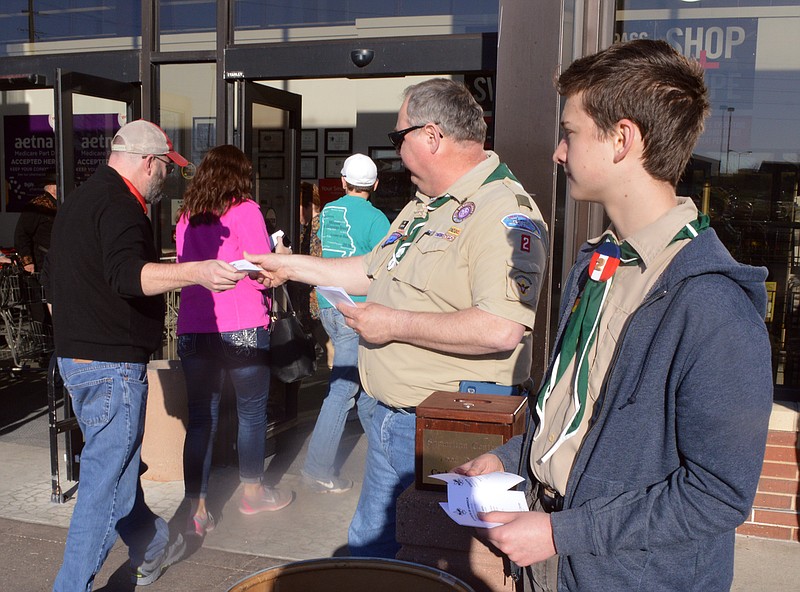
x,y
39,21
359,18
25,22
745,168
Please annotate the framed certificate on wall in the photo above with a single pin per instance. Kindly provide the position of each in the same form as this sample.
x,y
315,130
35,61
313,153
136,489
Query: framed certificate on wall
x,y
308,167
270,167
270,140
333,166
339,141
308,140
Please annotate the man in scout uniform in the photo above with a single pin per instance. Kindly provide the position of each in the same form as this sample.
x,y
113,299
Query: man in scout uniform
x,y
648,432
451,291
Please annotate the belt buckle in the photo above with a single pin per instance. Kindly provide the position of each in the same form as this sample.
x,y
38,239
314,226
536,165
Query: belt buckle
x,y
550,499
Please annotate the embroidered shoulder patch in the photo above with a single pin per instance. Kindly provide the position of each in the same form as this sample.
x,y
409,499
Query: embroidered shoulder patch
x,y
392,238
521,286
522,223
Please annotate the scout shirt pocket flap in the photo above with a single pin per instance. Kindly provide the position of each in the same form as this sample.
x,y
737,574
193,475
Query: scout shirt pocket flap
x,y
423,262
524,278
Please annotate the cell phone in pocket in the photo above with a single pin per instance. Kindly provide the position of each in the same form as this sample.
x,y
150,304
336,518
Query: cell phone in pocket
x,y
485,388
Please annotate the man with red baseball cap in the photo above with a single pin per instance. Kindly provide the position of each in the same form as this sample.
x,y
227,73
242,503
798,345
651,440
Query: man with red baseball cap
x,y
143,137
105,287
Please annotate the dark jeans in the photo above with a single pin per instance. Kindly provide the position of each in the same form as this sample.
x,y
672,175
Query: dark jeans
x,y
207,358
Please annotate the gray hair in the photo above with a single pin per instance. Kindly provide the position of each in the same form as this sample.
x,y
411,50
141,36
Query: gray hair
x,y
448,104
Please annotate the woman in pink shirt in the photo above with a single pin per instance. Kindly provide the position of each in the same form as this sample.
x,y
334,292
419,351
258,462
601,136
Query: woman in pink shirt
x,y
224,333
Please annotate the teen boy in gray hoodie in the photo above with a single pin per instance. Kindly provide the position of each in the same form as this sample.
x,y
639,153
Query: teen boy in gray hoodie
x,y
649,429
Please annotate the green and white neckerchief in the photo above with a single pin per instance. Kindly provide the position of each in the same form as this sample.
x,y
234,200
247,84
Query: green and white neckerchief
x,y
583,323
421,215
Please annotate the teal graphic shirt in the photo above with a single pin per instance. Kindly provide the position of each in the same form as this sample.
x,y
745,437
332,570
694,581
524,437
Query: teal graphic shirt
x,y
348,227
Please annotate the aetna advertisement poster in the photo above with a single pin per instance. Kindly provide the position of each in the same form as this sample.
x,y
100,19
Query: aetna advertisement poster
x,y
29,152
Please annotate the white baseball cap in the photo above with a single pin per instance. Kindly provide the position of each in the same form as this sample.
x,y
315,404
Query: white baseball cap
x,y
145,137
359,170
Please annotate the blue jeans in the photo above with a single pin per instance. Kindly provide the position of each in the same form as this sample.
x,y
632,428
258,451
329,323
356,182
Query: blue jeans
x,y
109,400
207,358
342,390
388,472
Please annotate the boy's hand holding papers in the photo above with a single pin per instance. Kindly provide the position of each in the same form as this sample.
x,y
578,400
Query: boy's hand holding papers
x,y
466,496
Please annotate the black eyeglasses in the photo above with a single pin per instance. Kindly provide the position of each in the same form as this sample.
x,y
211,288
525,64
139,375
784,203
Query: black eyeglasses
x,y
396,138
170,165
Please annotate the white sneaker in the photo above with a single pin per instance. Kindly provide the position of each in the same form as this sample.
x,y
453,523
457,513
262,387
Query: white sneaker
x,y
332,485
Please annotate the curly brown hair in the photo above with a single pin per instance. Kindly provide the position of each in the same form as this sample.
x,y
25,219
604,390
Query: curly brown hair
x,y
223,179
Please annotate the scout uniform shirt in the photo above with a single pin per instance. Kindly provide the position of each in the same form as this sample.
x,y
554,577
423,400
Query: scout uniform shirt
x,y
485,246
631,284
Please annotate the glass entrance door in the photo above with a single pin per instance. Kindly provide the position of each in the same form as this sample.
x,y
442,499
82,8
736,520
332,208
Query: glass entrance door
x,y
269,132
88,112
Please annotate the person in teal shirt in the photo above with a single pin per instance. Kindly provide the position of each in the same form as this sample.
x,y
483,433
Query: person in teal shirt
x,y
349,226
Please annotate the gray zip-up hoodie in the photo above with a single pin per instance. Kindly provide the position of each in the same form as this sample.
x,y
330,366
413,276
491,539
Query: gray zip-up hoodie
x,y
670,465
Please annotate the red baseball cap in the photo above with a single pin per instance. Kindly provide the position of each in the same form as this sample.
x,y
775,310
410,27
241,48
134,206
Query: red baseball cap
x,y
145,137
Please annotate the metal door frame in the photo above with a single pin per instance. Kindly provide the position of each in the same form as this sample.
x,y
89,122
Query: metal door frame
x,y
250,93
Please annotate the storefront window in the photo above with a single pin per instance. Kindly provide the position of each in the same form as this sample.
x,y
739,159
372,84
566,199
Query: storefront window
x,y
28,25
302,20
745,169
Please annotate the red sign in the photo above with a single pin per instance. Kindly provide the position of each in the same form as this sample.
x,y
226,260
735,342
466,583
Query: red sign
x,y
330,189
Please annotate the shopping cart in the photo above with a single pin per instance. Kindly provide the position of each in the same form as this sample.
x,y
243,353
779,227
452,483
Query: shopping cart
x,y
62,421
25,319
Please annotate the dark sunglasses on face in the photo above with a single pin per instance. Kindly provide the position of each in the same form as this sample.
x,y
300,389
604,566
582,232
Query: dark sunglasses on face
x,y
396,138
170,166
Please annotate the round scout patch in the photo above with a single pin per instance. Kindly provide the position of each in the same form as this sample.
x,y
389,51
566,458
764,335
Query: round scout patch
x,y
463,212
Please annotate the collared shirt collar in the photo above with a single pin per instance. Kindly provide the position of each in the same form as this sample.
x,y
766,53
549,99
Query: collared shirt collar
x,y
136,194
468,183
654,238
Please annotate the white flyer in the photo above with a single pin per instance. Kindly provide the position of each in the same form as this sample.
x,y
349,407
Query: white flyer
x,y
245,265
335,295
466,496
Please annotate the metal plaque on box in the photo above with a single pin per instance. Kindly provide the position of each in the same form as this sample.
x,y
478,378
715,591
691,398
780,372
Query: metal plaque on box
x,y
453,428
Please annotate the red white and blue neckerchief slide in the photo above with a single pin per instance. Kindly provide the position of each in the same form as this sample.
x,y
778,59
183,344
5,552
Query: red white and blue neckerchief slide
x,y
605,261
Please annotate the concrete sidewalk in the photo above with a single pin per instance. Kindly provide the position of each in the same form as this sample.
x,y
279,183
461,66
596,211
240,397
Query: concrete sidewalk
x,y
33,530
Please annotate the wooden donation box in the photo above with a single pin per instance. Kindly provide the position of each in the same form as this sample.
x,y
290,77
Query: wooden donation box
x,y
453,428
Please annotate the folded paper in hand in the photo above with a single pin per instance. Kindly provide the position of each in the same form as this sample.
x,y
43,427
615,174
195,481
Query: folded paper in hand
x,y
335,295
245,265
466,496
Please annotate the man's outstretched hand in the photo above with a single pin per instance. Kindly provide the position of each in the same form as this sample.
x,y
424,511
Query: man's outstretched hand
x,y
273,268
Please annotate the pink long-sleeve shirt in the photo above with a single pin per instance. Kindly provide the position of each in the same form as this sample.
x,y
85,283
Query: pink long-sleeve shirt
x,y
240,229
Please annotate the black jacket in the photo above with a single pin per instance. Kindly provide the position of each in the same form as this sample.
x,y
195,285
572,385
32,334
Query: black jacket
x,y
32,233
101,241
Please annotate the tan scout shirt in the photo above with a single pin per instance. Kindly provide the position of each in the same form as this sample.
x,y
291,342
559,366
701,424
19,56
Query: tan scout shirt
x,y
464,256
631,284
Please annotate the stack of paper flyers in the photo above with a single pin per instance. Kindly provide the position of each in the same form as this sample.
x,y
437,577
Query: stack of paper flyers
x,y
467,496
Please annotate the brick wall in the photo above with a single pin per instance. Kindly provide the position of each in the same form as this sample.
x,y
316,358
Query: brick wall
x,y
775,510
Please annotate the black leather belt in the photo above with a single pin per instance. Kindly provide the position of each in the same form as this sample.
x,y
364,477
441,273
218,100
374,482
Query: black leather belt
x,y
403,410
550,500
